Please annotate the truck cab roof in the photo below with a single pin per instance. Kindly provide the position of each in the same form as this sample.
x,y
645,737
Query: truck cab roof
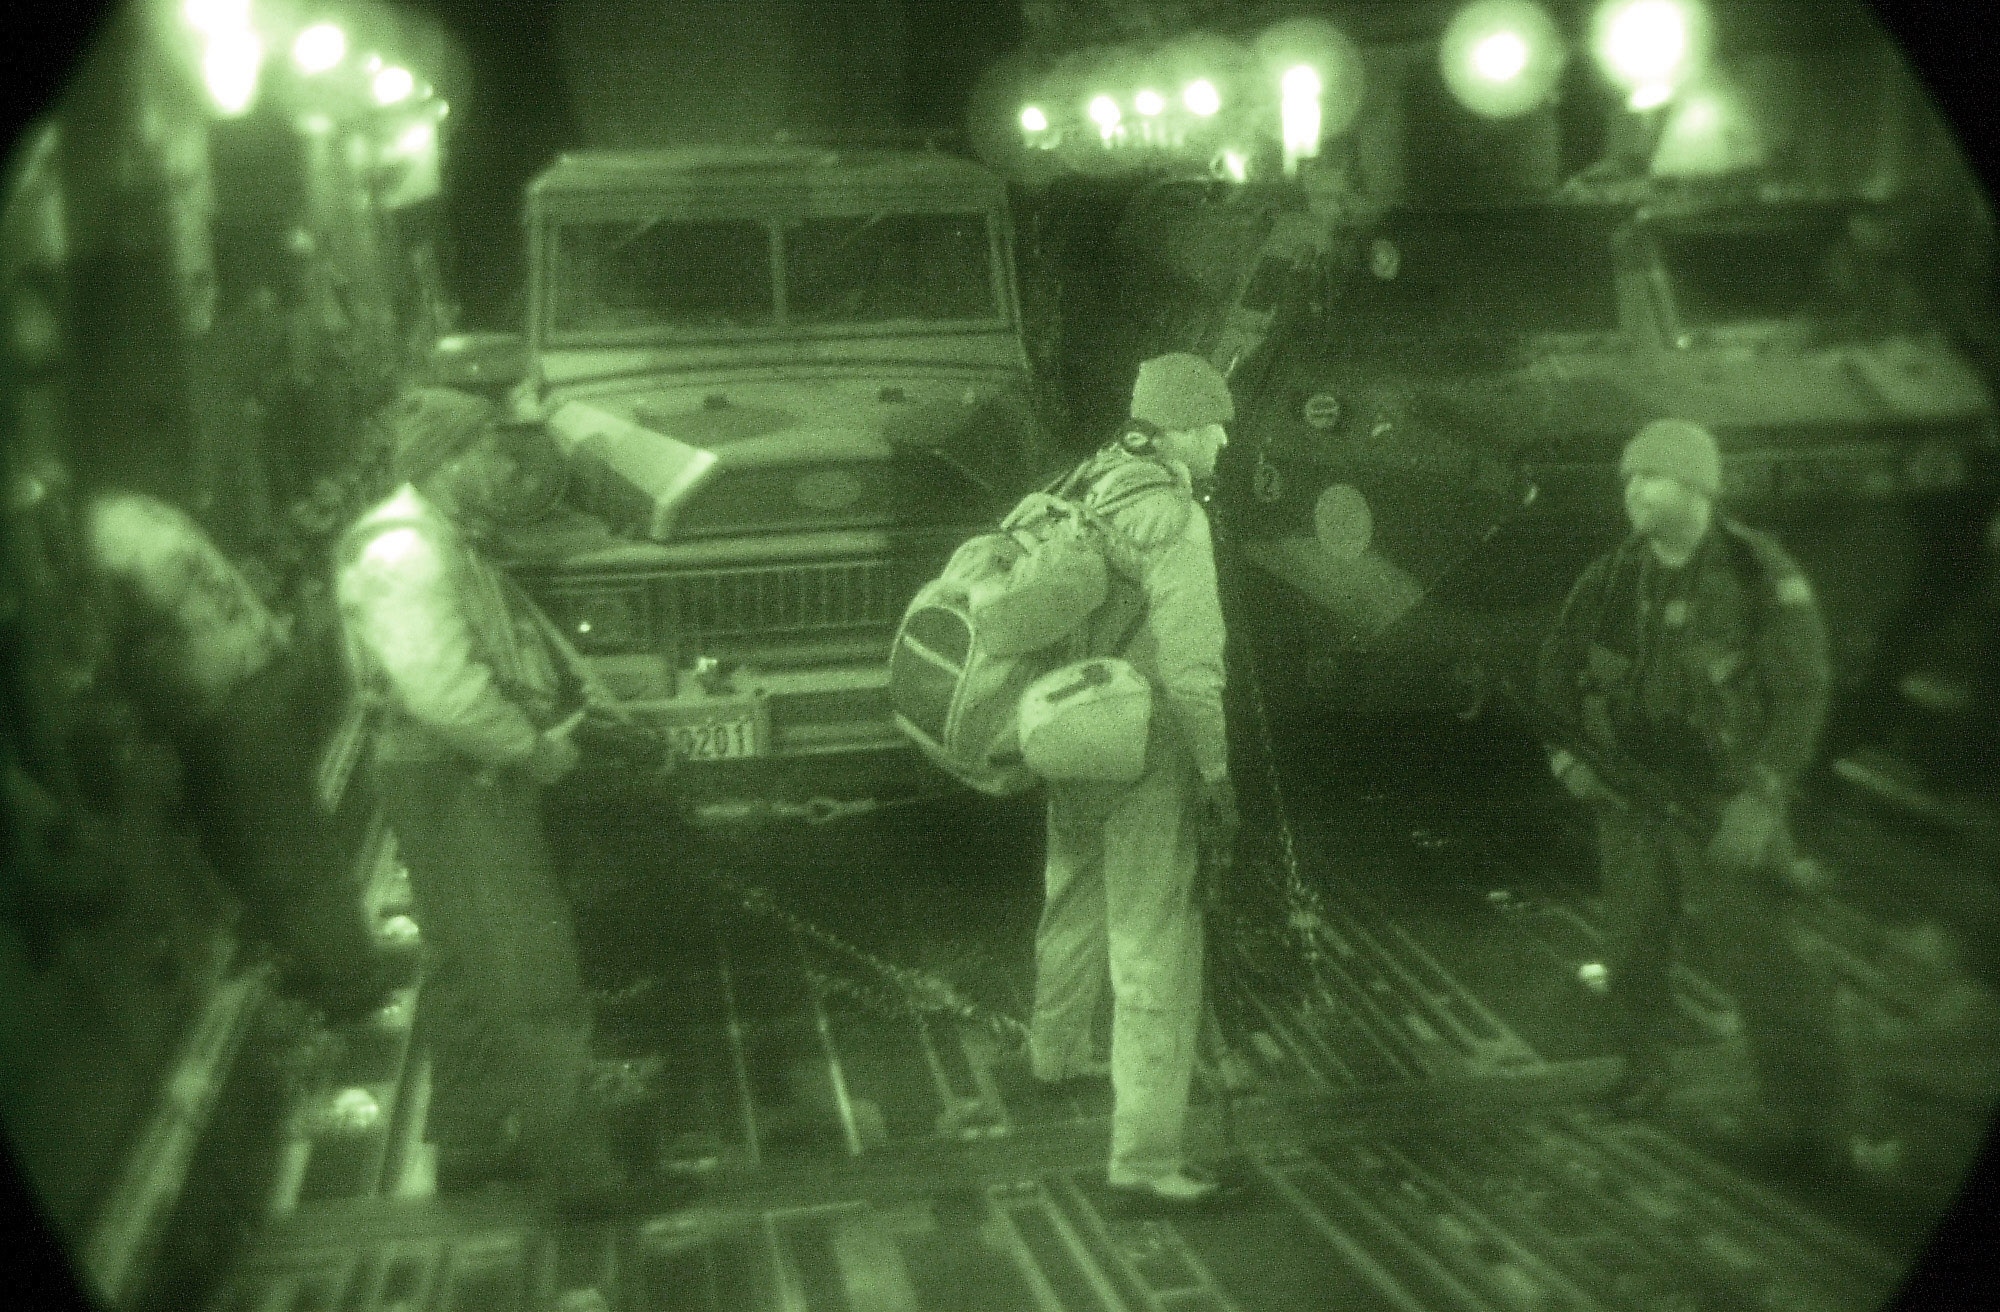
x,y
875,170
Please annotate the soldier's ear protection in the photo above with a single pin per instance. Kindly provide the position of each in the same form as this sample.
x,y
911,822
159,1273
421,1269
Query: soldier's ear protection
x,y
1141,436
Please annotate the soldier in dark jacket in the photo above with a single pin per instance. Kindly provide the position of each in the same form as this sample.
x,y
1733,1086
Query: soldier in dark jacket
x,y
1694,653
227,682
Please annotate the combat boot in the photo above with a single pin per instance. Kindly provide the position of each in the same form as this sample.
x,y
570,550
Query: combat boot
x,y
585,1164
461,1173
352,999
589,1181
1188,1189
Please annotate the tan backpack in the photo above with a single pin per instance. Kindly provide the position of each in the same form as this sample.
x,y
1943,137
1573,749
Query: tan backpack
x,y
1005,611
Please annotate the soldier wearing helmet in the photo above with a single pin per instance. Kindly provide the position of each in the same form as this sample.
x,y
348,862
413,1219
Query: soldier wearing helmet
x,y
462,676
1694,654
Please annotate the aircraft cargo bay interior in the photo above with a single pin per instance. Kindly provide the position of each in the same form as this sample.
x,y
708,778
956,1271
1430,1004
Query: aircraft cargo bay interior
x,y
965,658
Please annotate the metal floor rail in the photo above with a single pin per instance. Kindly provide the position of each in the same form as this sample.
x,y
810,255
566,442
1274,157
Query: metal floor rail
x,y
843,1159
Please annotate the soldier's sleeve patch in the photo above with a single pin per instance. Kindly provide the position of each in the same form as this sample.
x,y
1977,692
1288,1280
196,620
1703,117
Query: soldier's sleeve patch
x,y
1793,590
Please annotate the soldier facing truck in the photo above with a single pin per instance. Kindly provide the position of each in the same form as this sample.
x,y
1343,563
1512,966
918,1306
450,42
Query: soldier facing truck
x,y
462,677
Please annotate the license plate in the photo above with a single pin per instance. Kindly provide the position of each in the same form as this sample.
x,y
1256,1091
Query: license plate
x,y
718,740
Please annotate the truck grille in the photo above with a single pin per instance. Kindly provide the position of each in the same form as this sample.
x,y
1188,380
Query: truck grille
x,y
777,599
702,609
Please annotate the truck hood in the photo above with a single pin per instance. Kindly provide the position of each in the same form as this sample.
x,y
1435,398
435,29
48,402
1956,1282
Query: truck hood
x,y
742,452
563,369
747,419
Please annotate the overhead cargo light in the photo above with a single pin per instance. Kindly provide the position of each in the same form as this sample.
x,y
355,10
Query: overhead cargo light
x,y
1299,114
1319,74
1699,117
1650,96
416,139
1201,98
1150,104
1502,58
393,85
1709,134
1105,113
1034,120
1645,45
320,48
229,69
212,17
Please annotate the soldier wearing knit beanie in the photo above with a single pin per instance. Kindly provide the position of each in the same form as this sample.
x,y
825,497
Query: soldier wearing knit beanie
x,y
1692,658
1676,449
1119,877
1673,473
1185,401
1181,391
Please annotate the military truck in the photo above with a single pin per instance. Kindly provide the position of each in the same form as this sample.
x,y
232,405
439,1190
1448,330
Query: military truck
x,y
1428,442
788,382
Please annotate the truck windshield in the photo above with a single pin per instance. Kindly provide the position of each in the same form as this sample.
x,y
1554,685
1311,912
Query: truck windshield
x,y
688,278
626,278
880,267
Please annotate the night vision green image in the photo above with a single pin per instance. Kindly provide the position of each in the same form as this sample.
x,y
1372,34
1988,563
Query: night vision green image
x,y
1074,656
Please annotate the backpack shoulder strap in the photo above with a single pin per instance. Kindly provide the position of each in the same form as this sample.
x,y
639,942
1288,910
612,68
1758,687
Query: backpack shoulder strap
x,y
1155,478
1069,485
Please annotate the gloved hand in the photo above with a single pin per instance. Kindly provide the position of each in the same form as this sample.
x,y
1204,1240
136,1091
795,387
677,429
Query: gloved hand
x,y
554,757
1743,837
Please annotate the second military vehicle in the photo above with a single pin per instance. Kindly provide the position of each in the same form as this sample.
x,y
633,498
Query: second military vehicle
x,y
1428,444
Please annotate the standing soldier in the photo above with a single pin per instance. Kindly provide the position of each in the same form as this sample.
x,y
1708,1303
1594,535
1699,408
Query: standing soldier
x,y
1693,654
1122,858
465,683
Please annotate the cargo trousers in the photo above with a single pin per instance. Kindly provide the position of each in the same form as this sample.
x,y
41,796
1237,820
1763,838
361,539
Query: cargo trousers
x,y
1120,909
1661,888
250,773
503,1010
